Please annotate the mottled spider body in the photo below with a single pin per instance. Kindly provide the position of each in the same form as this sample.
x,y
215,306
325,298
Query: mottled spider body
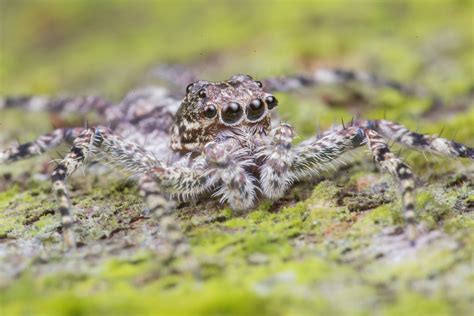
x,y
221,140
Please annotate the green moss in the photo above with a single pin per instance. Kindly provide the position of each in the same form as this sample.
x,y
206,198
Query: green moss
x,y
116,269
423,198
452,127
470,199
325,190
383,215
413,304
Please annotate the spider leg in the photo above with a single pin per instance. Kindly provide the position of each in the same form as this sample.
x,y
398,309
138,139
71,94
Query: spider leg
x,y
314,155
40,145
275,177
283,164
76,104
336,77
392,164
161,208
73,160
228,166
125,155
178,75
430,143
222,164
421,142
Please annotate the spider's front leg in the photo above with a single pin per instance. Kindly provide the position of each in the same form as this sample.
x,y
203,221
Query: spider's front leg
x,y
183,181
228,165
275,177
314,155
92,141
79,152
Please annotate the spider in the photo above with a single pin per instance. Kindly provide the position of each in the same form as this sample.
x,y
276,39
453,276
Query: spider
x,y
222,140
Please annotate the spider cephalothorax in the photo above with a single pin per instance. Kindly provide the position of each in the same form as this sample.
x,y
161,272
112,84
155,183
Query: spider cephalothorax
x,y
212,108
219,142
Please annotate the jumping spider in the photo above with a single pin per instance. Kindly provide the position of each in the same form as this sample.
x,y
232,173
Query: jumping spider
x,y
222,140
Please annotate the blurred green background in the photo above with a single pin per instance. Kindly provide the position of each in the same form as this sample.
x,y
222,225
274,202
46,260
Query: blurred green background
x,y
322,265
51,46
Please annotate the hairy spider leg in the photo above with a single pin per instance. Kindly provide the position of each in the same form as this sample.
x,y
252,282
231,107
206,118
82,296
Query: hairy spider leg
x,y
161,208
174,180
77,104
328,76
229,163
431,143
285,165
180,76
315,155
40,145
420,142
277,156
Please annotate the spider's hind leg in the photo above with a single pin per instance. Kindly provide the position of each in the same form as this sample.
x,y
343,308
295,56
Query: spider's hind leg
x,y
73,104
175,74
314,155
40,145
336,76
73,160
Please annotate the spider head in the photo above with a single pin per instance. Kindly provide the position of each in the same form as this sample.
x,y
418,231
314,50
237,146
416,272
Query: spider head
x,y
210,108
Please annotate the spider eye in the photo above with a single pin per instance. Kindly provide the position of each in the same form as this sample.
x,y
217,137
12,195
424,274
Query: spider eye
x,y
189,87
231,112
210,111
202,93
259,84
255,110
271,102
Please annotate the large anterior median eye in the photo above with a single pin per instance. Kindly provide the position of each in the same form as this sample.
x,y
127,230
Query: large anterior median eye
x,y
231,112
255,109
210,111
